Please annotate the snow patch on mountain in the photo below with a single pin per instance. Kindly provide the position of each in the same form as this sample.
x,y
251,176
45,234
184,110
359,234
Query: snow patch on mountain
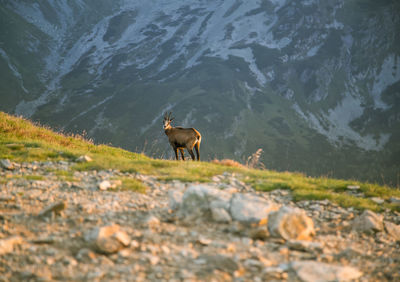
x,y
335,125
389,74
13,69
157,118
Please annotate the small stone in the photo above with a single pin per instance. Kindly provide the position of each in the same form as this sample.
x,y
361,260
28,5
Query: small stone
x,y
108,239
394,200
393,230
152,221
104,185
259,233
85,255
220,262
377,200
7,245
152,259
216,178
6,164
368,222
204,241
312,271
291,223
55,208
275,272
353,187
7,198
305,246
84,159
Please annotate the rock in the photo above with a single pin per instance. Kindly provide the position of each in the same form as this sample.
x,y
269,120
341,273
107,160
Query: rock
x,y
174,199
7,198
313,271
108,239
368,222
220,262
104,185
259,233
197,199
6,164
393,230
353,187
377,200
55,208
291,223
203,241
305,246
152,221
394,200
273,273
84,159
250,208
220,215
109,184
7,245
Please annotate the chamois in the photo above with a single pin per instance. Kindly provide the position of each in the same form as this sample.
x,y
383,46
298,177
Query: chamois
x,y
181,138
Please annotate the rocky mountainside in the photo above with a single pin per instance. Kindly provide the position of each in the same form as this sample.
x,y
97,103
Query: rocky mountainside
x,y
314,84
89,228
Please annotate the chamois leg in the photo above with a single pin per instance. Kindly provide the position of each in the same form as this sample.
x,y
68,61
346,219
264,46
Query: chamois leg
x,y
191,153
182,153
176,154
197,148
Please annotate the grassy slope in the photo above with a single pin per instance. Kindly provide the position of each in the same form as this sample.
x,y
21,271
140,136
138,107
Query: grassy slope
x,y
22,141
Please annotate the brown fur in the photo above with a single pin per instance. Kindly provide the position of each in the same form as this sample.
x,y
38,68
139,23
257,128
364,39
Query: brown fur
x,y
182,138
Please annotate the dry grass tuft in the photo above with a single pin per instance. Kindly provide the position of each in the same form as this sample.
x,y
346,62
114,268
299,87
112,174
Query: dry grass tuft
x,y
254,161
228,162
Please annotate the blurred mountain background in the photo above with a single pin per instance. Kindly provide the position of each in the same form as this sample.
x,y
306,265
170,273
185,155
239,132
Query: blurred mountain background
x,y
315,84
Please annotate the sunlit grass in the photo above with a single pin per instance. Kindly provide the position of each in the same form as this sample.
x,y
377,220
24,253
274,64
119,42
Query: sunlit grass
x,y
22,141
131,184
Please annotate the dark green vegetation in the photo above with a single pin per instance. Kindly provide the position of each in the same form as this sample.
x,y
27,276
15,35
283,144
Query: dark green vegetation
x,y
22,141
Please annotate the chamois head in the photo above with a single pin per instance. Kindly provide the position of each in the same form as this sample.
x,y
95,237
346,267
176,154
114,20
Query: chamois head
x,y
167,120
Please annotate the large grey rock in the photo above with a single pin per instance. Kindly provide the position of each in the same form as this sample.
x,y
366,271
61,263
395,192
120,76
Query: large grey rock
x,y
174,199
220,215
198,199
368,222
250,208
107,239
291,223
312,271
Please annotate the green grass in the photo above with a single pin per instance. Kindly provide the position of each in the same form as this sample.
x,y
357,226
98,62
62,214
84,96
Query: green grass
x,y
64,175
131,184
33,177
22,141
